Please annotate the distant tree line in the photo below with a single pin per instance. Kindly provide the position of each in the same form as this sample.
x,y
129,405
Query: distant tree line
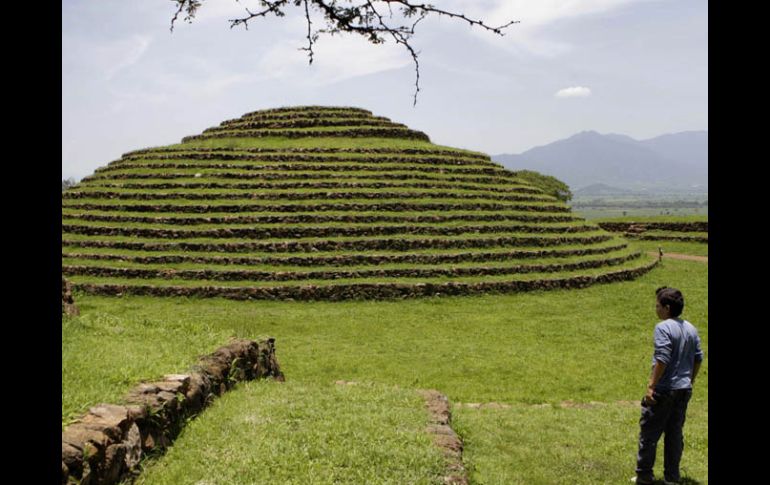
x,y
67,183
641,204
551,185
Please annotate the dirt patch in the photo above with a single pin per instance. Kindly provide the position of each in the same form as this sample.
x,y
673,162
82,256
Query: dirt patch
x,y
686,257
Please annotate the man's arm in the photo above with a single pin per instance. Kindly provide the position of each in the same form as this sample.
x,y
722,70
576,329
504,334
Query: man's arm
x,y
657,373
695,369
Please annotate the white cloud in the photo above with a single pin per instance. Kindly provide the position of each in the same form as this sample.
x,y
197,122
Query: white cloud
x,y
335,59
527,37
122,54
573,92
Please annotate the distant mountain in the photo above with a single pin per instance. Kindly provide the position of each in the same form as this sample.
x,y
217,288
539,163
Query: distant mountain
x,y
676,161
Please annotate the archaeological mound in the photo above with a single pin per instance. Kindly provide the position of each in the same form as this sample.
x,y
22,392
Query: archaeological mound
x,y
319,203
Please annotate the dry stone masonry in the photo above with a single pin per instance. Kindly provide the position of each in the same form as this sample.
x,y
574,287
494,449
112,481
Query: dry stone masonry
x,y
106,445
325,203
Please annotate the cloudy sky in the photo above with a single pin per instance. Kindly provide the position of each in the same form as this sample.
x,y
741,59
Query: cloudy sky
x,y
636,67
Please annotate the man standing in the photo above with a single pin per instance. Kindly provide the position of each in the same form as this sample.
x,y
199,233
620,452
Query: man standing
x,y
675,364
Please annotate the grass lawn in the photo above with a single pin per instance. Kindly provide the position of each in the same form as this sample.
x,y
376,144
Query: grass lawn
x,y
531,351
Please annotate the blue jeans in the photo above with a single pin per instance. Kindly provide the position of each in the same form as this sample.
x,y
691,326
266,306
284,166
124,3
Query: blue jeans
x,y
666,416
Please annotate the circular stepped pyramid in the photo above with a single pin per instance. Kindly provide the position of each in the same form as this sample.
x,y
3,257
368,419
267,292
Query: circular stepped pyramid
x,y
321,203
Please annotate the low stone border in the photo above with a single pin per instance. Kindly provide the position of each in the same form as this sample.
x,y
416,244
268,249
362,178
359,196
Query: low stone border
x,y
68,306
354,245
444,437
105,446
364,291
341,207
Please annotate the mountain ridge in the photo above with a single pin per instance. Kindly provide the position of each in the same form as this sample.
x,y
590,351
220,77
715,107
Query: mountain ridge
x,y
671,161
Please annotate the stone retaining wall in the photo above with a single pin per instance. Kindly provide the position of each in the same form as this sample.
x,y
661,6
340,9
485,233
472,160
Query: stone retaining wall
x,y
313,185
103,194
370,291
397,151
288,133
250,275
355,245
302,176
304,109
311,218
296,122
343,207
282,157
289,232
350,259
695,226
311,115
345,167
654,237
105,446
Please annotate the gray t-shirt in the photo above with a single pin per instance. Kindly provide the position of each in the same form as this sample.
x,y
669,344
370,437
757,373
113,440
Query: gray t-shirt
x,y
677,345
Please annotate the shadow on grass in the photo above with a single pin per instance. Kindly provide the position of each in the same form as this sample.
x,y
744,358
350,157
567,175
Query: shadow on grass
x,y
683,481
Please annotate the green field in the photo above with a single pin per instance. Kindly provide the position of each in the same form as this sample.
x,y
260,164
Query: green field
x,y
570,366
544,385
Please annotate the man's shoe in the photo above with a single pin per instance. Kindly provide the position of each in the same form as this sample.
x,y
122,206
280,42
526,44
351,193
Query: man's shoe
x,y
642,481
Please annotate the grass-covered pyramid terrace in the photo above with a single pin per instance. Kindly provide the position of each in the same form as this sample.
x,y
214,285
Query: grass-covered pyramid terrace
x,y
325,203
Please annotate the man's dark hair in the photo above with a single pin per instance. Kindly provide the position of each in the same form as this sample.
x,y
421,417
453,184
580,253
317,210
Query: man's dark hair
x,y
672,298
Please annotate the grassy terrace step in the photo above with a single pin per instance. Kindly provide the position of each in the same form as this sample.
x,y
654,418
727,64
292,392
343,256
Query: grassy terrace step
x,y
402,243
328,170
404,133
259,264
194,184
308,109
358,149
186,220
345,289
217,194
473,225
249,206
209,174
69,268
336,259
642,260
241,156
296,232
301,433
147,166
307,114
303,122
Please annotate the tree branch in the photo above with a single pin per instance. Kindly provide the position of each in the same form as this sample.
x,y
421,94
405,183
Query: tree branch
x,y
360,17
